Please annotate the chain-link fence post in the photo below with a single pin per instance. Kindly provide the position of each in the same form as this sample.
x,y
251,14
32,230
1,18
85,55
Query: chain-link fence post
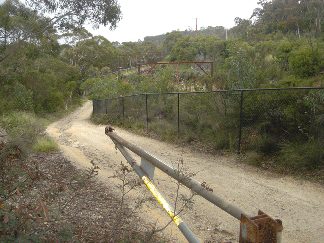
x,y
241,121
178,114
147,118
123,109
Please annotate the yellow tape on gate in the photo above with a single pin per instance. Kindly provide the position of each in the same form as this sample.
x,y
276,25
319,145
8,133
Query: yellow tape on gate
x,y
161,200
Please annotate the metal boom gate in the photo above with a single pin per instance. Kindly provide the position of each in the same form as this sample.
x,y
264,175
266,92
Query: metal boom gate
x,y
253,229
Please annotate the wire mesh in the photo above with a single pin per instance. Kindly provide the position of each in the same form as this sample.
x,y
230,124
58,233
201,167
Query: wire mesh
x,y
135,111
261,120
210,117
273,118
98,107
114,109
163,113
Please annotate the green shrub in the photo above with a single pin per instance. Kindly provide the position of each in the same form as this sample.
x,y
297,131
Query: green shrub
x,y
303,156
48,101
223,140
45,144
167,131
306,62
283,54
290,81
267,146
16,97
23,128
254,158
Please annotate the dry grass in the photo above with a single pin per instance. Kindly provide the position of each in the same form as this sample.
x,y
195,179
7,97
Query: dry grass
x,y
58,203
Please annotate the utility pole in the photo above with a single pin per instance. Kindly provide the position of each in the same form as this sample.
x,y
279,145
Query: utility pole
x,y
196,27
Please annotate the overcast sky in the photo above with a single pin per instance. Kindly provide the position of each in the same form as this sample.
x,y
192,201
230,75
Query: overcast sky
x,y
148,18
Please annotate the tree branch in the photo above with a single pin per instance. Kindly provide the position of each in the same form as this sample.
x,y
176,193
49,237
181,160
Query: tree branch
x,y
32,34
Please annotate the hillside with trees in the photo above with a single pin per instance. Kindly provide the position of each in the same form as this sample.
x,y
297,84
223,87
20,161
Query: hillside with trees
x,y
218,31
47,64
45,61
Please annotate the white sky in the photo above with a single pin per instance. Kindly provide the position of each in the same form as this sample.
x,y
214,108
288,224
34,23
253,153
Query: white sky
x,y
148,18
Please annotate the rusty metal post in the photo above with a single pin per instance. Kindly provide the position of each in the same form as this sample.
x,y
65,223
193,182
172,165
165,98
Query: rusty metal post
x,y
260,229
211,69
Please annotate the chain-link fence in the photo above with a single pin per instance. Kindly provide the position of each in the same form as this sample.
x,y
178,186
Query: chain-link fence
x,y
263,120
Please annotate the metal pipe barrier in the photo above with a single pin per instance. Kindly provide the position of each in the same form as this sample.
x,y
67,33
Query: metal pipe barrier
x,y
258,229
158,195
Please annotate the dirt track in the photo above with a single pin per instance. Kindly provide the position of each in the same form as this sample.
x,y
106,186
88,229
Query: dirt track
x,y
299,204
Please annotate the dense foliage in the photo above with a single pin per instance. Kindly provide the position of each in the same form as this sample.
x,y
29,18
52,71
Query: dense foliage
x,y
43,71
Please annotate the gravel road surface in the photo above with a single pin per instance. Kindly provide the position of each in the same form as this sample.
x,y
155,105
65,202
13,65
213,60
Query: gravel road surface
x,y
298,203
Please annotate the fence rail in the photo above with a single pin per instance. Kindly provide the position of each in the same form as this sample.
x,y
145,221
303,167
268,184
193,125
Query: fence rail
x,y
242,120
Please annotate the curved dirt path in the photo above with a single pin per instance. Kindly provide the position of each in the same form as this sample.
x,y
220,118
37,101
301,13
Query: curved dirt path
x,y
299,204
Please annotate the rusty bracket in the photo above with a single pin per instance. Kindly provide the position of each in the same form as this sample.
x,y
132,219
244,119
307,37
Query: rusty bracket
x,y
260,229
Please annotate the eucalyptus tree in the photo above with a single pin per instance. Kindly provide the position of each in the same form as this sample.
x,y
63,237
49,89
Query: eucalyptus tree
x,y
96,52
171,39
18,20
289,16
184,50
315,13
242,28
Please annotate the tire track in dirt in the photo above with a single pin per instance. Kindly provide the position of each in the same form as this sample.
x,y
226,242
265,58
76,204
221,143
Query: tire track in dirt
x,y
298,203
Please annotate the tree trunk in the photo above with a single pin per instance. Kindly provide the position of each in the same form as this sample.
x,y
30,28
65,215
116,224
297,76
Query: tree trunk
x,y
298,32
